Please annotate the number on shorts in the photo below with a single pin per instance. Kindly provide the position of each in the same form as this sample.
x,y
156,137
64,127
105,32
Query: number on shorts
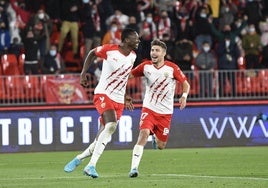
x,y
166,131
143,115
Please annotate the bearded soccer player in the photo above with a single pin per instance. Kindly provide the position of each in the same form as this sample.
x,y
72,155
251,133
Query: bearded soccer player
x,y
161,77
109,95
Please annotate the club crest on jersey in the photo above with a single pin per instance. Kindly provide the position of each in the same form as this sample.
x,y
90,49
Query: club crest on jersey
x,y
166,74
103,105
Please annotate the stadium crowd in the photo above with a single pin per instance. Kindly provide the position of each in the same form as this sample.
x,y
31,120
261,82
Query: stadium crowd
x,y
200,34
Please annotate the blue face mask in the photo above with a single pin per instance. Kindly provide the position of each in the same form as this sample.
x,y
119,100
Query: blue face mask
x,y
53,52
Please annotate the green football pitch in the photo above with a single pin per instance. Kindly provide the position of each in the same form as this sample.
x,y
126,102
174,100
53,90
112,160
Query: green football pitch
x,y
196,167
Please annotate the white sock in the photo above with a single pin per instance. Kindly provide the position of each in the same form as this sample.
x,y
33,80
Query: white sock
x,y
87,152
136,156
101,142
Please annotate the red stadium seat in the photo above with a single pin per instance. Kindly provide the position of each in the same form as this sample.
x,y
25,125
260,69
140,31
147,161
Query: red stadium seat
x,y
21,61
82,51
10,64
55,33
32,87
72,64
247,84
2,88
194,83
14,88
263,80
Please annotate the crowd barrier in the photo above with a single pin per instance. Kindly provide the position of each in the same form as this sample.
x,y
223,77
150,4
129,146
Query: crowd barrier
x,y
65,88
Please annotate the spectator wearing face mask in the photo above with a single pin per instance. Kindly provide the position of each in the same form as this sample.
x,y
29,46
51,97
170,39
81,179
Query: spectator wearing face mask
x,y
53,62
251,43
201,28
42,28
206,63
227,14
113,35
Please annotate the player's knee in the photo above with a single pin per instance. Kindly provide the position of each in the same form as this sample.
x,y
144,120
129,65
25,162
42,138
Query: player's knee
x,y
111,127
161,145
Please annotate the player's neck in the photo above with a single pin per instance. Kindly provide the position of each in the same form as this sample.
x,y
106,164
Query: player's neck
x,y
124,49
159,64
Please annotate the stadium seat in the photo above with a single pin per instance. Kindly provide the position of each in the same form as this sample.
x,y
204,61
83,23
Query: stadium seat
x,y
263,80
54,37
247,85
2,88
14,88
72,64
21,60
255,85
194,83
10,64
31,86
82,51
1,70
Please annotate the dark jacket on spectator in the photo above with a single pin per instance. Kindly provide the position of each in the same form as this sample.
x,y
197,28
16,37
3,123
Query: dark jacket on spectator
x,y
228,55
67,14
31,49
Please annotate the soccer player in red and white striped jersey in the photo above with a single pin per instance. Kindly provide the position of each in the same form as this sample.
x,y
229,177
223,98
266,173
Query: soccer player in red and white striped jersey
x,y
109,94
161,77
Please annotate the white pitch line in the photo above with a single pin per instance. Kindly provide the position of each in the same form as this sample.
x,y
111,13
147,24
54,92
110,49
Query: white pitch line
x,y
213,177
124,175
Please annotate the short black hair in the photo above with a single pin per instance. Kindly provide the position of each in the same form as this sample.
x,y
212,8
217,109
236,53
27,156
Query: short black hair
x,y
160,43
126,33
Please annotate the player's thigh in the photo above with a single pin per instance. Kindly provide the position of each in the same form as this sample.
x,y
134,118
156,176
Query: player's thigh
x,y
109,110
109,116
162,128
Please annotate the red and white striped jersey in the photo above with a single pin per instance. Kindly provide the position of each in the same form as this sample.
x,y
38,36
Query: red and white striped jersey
x,y
160,85
115,71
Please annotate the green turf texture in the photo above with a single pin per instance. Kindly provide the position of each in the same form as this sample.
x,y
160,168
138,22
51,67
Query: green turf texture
x,y
196,167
